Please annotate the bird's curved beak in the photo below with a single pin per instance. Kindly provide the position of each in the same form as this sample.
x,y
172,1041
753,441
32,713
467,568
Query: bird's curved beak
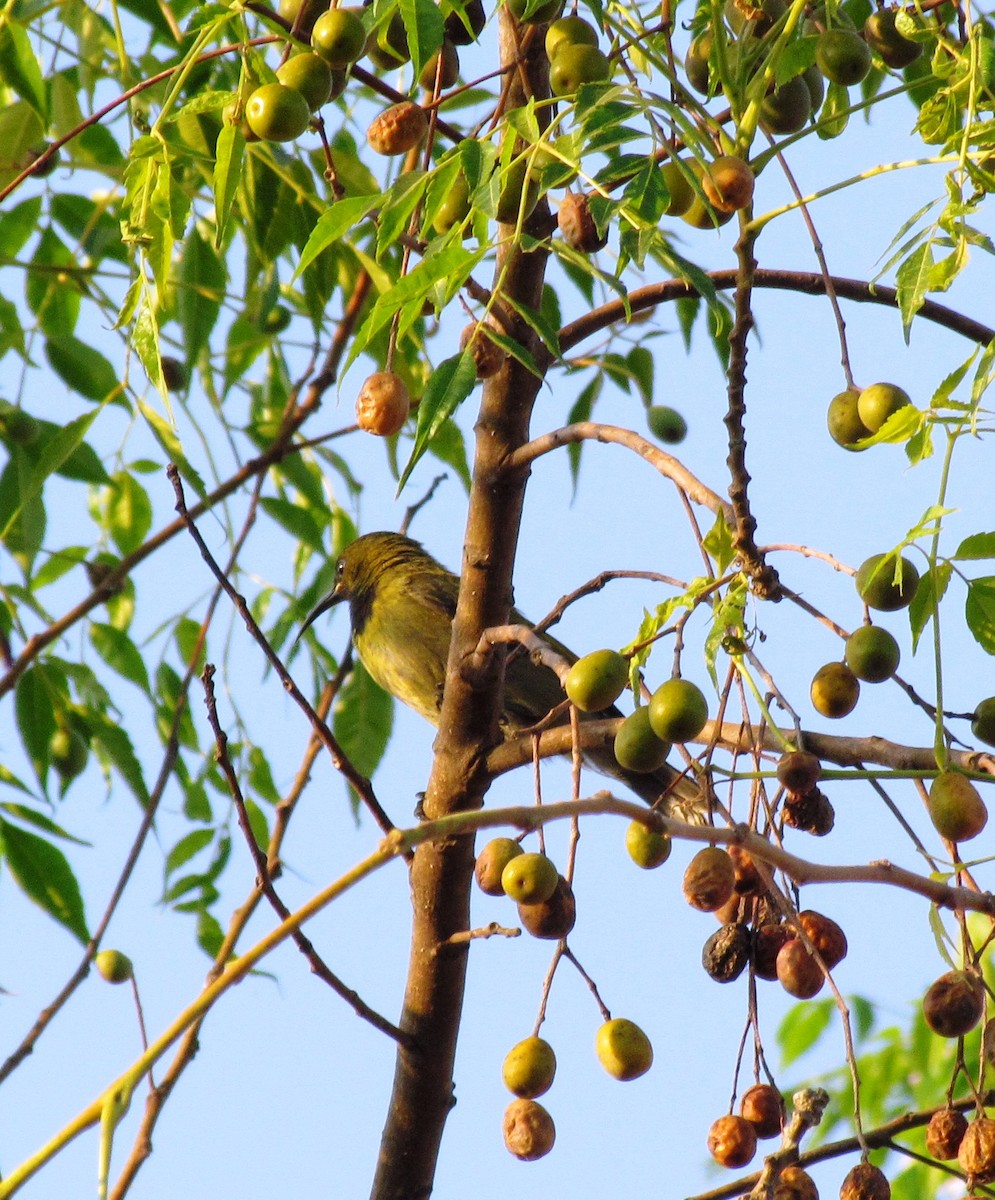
x,y
333,598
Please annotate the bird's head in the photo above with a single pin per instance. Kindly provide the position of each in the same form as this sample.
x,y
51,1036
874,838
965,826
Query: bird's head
x,y
363,566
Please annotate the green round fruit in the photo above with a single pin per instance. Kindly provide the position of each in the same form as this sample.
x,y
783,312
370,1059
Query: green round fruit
x,y
835,690
519,194
529,878
597,680
491,862
816,86
277,319
667,424
339,37
955,807
114,966
696,63
529,1068
48,167
455,207
575,64
877,587
465,23
681,192
623,1049
569,31
983,721
872,654
277,113
678,711
539,16
878,402
68,752
881,34
843,420
842,56
388,47
175,375
310,75
16,426
787,108
312,9
637,748
647,848
450,68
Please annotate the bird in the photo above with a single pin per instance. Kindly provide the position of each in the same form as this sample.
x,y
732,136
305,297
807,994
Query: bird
x,y
401,606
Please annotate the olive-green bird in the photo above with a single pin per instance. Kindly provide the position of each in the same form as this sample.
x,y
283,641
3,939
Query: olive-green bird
x,y
402,603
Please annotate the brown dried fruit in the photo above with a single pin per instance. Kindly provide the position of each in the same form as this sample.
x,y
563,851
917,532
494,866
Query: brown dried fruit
x,y
795,1184
726,953
763,1106
709,880
728,183
826,936
577,225
811,813
953,1004
397,129
799,771
767,943
945,1132
555,917
865,1182
528,1128
737,909
383,404
747,877
491,861
976,1155
797,970
488,357
732,1141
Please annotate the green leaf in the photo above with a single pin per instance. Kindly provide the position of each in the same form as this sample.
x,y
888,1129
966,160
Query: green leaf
x,y
113,746
977,545
187,848
43,873
19,68
929,593
260,777
167,439
835,112
448,386
295,519
188,641
120,653
979,610
34,708
127,512
333,224
53,296
82,368
362,720
912,283
22,513
31,817
802,1028
201,288
423,23
229,156
641,365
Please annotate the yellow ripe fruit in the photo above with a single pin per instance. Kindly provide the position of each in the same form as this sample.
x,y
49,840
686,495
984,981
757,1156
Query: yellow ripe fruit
x,y
529,1068
647,848
835,690
623,1049
843,420
877,403
383,404
955,807
491,862
529,878
114,966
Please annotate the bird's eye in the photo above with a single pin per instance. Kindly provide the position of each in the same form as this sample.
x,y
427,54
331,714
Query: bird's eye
x,y
340,568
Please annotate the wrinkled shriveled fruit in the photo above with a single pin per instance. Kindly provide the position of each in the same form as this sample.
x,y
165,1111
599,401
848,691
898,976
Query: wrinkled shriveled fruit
x,y
577,225
667,424
732,1141
865,1182
397,129
877,403
825,935
976,1155
637,748
678,711
811,813
945,1132
552,918
623,1049
491,862
953,1004
646,847
529,1132
529,1068
597,680
843,420
797,970
748,879
726,953
799,771
794,1183
728,183
763,1106
872,654
955,807
529,878
767,943
488,356
877,586
835,690
276,113
709,880
114,966
383,404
